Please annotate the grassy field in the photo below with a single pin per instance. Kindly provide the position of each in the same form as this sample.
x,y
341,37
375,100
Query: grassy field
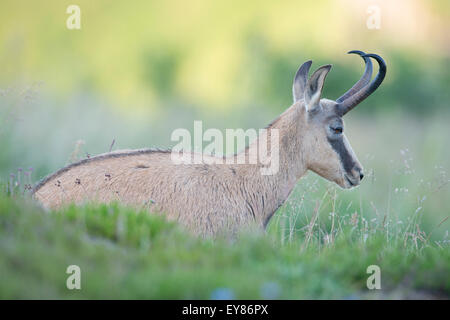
x,y
318,245
133,74
127,254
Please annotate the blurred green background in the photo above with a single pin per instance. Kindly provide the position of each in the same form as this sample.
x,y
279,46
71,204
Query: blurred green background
x,y
136,71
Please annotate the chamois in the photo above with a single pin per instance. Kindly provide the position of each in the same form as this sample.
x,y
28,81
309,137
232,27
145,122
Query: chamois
x,y
212,198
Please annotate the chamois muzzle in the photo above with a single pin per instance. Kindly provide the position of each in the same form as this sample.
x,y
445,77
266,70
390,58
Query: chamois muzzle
x,y
362,89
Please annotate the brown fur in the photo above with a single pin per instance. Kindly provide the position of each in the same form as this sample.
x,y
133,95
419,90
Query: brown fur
x,y
207,198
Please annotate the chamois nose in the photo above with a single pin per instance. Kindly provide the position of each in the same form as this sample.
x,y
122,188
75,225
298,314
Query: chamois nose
x,y
361,175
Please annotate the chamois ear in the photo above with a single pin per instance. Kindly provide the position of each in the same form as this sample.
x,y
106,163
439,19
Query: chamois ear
x,y
300,79
314,87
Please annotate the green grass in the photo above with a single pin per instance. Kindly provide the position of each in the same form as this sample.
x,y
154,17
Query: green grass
x,y
318,245
128,254
320,242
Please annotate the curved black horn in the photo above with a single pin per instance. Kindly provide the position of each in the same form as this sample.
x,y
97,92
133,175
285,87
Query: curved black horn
x,y
352,101
365,78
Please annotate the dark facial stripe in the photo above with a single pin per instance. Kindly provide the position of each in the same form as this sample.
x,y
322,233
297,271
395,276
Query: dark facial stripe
x,y
338,145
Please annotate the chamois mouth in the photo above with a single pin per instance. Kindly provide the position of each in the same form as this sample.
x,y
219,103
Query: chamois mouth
x,y
350,182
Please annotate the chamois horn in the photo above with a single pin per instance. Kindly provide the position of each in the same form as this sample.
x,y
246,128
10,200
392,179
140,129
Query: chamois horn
x,y
356,98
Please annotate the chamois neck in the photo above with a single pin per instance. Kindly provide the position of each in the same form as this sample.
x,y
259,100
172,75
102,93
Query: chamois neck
x,y
291,161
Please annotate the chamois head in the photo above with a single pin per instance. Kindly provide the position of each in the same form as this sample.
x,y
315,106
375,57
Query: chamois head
x,y
329,153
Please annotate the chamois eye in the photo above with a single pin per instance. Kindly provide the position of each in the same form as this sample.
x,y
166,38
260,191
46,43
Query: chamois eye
x,y
336,130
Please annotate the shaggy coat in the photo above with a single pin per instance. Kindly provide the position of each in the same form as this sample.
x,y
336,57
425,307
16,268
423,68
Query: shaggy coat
x,y
213,198
205,198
